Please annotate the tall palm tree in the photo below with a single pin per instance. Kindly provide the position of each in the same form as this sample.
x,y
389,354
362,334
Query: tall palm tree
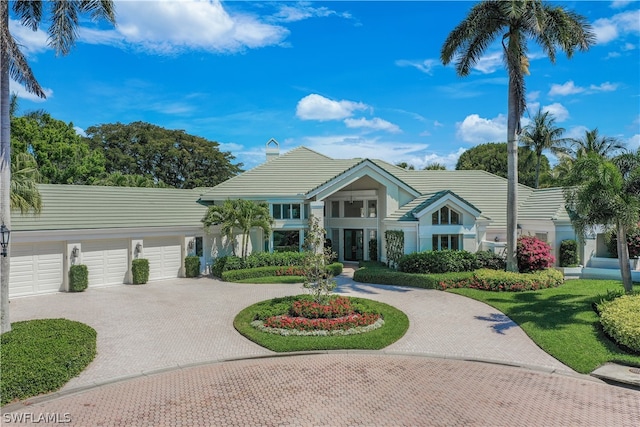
x,y
64,18
543,134
593,142
251,215
226,216
24,177
513,23
606,192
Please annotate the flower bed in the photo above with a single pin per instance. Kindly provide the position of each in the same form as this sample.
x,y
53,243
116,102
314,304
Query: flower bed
x,y
306,317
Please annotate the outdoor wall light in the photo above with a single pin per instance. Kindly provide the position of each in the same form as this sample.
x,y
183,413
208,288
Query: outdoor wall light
x,y
4,238
138,249
75,253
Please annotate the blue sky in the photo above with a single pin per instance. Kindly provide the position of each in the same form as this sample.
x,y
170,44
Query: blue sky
x,y
347,79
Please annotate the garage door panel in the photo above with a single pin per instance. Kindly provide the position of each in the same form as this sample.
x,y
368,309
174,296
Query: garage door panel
x,y
164,255
106,260
35,268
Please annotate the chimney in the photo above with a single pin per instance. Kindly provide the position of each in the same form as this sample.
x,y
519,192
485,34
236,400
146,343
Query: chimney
x,y
273,149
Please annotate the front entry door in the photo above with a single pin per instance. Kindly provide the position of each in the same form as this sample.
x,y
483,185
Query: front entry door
x,y
353,245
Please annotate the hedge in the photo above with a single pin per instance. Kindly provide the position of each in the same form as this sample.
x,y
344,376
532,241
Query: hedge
x,y
620,320
253,273
78,278
192,266
40,356
494,280
255,260
438,262
140,271
385,276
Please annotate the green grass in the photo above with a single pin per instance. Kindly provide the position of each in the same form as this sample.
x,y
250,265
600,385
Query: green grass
x,y
396,324
562,321
273,279
40,356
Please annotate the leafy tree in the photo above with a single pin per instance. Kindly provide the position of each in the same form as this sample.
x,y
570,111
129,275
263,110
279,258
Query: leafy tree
x,y
606,192
63,157
243,215
513,22
24,177
435,166
171,156
63,20
317,277
543,134
405,165
117,179
492,157
593,142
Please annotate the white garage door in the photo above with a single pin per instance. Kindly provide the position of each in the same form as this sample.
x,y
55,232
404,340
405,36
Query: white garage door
x,y
106,260
164,255
35,268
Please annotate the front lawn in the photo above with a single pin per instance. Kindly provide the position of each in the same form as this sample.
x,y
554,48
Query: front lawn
x,y
395,325
562,321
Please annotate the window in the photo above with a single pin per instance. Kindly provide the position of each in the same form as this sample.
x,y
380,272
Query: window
x,y
335,209
286,240
373,208
199,246
443,242
286,211
354,209
445,216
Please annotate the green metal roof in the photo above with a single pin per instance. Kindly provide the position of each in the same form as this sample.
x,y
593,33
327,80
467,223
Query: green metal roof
x,y
67,207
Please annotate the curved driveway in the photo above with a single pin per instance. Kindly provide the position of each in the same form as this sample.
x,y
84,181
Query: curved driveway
x,y
166,337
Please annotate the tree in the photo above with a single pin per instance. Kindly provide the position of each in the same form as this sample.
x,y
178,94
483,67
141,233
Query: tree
x,y
593,142
243,215
405,165
317,256
543,134
606,192
117,179
171,156
492,157
24,177
435,166
63,156
513,22
63,21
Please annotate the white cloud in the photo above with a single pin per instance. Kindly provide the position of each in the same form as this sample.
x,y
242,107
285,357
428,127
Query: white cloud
x,y
489,63
557,110
533,95
301,11
374,124
317,107
634,142
18,89
31,42
618,4
609,29
449,160
576,132
79,131
425,66
604,87
477,130
568,88
167,27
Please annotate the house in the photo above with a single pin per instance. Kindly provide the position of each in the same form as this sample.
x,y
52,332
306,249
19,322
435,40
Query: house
x,y
357,200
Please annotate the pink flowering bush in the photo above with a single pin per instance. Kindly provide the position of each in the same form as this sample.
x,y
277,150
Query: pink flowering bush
x,y
324,324
533,254
336,307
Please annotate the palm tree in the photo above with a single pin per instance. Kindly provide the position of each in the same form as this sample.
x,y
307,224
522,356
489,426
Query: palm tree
x,y
543,134
24,177
435,166
606,192
514,22
593,142
224,215
63,18
251,215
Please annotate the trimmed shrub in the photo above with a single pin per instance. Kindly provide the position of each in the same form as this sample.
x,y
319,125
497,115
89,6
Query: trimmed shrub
x,y
533,254
386,276
568,253
254,273
633,243
437,262
192,266
395,246
373,249
78,278
40,356
620,320
493,280
140,271
255,260
491,260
